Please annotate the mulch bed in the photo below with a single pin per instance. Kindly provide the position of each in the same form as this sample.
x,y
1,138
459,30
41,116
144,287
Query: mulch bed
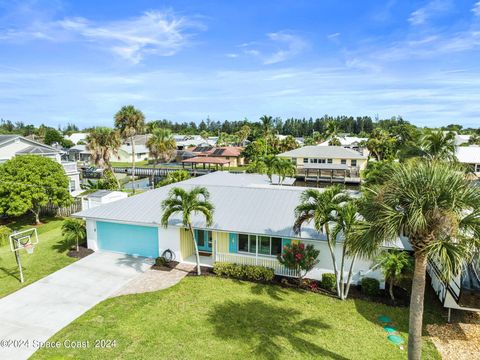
x,y
83,252
168,267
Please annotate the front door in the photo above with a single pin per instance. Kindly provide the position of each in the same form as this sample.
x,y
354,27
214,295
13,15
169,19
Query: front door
x,y
204,240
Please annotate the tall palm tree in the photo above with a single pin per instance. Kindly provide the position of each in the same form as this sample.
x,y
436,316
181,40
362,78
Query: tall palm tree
x,y
438,145
103,143
332,131
267,129
130,121
243,134
186,203
320,207
74,230
161,145
284,168
438,209
346,224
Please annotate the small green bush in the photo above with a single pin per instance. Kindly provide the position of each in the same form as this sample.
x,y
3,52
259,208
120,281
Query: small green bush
x,y
329,282
161,261
370,286
5,232
244,272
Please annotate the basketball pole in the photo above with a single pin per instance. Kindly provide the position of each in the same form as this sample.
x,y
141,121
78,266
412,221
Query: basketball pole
x,y
19,263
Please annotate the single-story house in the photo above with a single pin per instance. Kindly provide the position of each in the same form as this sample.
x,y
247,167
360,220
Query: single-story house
x,y
125,153
77,137
101,197
13,145
252,223
79,153
225,155
350,142
469,155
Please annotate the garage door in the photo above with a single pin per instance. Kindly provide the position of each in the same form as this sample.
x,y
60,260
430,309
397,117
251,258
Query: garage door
x,y
128,239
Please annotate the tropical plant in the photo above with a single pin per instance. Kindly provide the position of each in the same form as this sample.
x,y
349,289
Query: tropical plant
x,y
377,172
334,141
346,222
320,207
161,145
29,182
204,135
186,203
332,130
130,122
243,134
474,139
288,143
438,145
381,145
5,233
299,258
174,177
395,266
438,209
267,129
74,231
103,143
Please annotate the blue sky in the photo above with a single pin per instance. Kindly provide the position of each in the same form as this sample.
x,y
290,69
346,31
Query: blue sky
x,y
66,61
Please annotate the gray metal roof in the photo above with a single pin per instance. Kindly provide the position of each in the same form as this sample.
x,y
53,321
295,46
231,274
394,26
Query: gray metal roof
x,y
35,149
226,178
100,193
5,138
325,152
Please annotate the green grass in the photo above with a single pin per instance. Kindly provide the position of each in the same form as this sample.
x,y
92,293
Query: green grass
x,y
48,257
215,318
143,163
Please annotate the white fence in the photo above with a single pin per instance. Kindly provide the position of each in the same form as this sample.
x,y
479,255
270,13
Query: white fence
x,y
256,260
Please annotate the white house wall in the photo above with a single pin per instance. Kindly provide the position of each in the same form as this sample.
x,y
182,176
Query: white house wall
x,y
92,235
169,238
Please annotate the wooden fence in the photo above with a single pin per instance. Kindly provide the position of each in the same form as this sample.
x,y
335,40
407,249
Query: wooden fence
x,y
53,210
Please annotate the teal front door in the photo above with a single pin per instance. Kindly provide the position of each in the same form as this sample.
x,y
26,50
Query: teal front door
x,y
204,240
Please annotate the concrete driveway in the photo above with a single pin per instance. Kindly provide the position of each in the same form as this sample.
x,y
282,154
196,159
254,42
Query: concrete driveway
x,y
33,314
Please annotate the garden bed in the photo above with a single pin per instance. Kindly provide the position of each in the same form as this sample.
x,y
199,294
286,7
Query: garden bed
x,y
83,252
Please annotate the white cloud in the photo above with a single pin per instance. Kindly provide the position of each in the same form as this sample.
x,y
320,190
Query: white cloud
x,y
231,55
432,8
476,8
153,33
333,36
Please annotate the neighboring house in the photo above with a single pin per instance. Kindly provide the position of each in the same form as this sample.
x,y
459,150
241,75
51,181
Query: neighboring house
x,y
13,145
79,153
300,141
228,155
187,141
101,197
77,137
327,162
469,155
125,153
350,142
252,223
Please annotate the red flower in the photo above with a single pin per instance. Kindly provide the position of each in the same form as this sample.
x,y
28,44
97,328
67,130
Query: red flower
x,y
302,246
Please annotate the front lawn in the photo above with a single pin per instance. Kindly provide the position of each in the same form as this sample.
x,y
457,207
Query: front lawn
x,y
48,257
215,318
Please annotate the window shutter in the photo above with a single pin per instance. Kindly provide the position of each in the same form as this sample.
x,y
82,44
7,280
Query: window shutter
x,y
233,242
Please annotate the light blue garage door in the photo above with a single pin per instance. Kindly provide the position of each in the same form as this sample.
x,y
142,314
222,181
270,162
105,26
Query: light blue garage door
x,y
128,239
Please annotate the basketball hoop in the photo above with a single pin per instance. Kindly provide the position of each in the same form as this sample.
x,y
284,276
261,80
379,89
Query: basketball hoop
x,y
26,239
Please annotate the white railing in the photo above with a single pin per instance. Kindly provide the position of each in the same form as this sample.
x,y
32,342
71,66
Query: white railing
x,y
256,260
70,167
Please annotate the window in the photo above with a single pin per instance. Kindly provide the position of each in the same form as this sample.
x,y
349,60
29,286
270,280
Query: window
x,y
270,246
478,168
210,237
314,161
343,162
329,161
200,238
322,161
305,160
353,162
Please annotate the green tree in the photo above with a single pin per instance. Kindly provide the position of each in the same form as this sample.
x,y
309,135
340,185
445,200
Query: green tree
x,y
74,231
438,145
174,177
243,134
267,129
438,209
381,145
377,172
185,203
28,182
320,207
204,135
299,258
161,145
130,122
395,265
52,136
474,139
287,144
103,143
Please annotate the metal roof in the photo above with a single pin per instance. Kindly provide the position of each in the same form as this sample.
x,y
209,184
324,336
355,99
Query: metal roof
x,y
468,154
326,152
37,150
101,193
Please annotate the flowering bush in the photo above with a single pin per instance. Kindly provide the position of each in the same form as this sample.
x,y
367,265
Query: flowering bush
x,y
299,258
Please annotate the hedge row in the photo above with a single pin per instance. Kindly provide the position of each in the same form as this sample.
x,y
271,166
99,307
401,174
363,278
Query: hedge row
x,y
243,272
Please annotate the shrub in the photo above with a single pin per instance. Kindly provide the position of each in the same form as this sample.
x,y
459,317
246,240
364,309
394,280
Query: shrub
x,y
370,286
5,232
299,258
244,272
161,261
329,282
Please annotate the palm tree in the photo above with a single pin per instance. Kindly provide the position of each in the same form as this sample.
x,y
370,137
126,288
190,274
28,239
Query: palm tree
x,y
267,126
332,131
243,134
174,177
321,207
346,223
204,135
103,142
284,168
161,145
438,145
438,209
130,122
187,203
74,230
395,265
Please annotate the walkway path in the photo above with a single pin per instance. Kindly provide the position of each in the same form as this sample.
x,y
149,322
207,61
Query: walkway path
x,y
34,313
153,280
